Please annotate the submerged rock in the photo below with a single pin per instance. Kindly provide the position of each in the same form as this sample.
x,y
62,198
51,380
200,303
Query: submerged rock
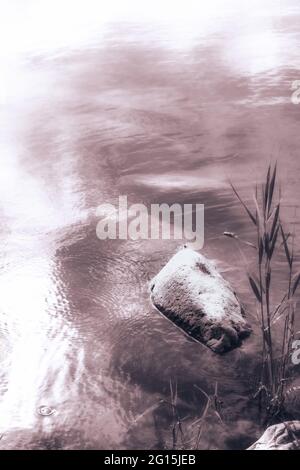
x,y
283,436
192,293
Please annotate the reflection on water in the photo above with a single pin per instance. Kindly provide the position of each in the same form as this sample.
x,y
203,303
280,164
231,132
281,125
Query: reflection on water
x,y
161,111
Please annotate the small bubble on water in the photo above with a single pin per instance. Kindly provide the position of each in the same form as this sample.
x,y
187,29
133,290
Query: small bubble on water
x,y
46,410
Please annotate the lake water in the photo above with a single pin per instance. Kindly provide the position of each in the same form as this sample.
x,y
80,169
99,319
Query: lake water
x,y
162,109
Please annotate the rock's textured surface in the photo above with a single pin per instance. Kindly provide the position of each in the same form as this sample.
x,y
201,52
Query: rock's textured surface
x,y
190,291
283,436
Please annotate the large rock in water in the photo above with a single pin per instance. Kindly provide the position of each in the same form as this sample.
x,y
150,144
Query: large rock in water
x,y
283,436
190,292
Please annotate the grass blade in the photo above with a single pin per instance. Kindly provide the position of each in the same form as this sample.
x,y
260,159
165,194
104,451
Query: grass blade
x,y
260,251
244,205
265,190
286,247
272,186
255,288
275,221
296,283
274,240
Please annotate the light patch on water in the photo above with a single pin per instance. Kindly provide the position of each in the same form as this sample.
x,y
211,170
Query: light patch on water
x,y
79,22
254,48
260,49
39,344
176,181
25,202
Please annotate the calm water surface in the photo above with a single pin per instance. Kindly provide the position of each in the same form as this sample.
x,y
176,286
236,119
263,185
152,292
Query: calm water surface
x,y
162,113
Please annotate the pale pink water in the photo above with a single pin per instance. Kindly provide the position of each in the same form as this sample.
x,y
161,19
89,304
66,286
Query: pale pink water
x,y
162,112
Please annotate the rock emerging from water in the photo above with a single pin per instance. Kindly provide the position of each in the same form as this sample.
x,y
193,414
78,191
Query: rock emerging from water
x,y
283,436
190,292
